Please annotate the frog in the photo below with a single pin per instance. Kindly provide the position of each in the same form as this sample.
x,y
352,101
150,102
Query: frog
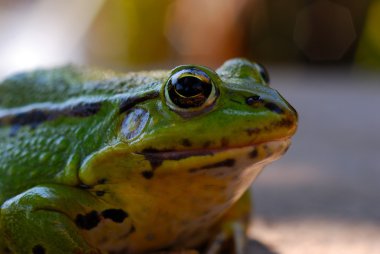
x,y
99,161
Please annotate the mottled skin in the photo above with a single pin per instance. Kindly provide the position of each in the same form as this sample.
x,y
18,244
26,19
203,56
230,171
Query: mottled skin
x,y
100,162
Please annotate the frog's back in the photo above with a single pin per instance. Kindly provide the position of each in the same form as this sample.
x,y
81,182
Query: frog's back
x,y
61,84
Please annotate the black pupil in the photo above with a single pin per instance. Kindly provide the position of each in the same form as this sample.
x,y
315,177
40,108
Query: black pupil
x,y
189,91
191,86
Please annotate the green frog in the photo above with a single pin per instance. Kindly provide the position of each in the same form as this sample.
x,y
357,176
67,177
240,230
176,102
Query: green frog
x,y
95,161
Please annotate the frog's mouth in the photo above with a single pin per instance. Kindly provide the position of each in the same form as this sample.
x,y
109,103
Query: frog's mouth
x,y
255,152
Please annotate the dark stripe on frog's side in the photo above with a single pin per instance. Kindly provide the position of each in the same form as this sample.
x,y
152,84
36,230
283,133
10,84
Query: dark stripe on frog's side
x,y
130,102
224,163
38,115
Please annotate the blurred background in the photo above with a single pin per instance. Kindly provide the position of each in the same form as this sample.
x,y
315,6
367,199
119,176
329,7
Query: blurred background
x,y
323,56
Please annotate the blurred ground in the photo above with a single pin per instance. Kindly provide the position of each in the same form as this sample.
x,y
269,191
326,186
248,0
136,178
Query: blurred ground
x,y
324,195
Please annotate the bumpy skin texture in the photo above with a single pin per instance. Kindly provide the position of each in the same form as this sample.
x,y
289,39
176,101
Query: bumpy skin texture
x,y
99,162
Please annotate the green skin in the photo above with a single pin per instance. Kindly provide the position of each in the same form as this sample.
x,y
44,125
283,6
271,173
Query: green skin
x,y
100,162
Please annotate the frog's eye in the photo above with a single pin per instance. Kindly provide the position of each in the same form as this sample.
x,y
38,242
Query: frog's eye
x,y
264,73
189,90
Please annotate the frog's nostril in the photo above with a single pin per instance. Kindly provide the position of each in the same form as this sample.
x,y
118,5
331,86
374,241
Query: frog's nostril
x,y
253,99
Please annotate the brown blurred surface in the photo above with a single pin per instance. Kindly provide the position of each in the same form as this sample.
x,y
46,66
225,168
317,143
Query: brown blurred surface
x,y
324,195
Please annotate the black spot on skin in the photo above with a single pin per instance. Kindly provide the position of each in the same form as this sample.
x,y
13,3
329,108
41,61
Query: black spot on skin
x,y
87,221
130,102
100,193
186,142
254,99
38,249
253,154
273,107
84,109
116,215
147,174
252,131
225,142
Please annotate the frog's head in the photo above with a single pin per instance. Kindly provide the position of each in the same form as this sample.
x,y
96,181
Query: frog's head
x,y
206,127
201,114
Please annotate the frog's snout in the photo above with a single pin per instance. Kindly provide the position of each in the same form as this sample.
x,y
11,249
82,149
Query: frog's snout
x,y
280,107
282,117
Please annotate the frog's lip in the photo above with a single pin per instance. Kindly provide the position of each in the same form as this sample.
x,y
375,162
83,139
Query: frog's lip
x,y
160,155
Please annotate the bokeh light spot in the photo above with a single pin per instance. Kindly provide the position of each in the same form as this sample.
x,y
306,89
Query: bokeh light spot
x,y
373,24
324,31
